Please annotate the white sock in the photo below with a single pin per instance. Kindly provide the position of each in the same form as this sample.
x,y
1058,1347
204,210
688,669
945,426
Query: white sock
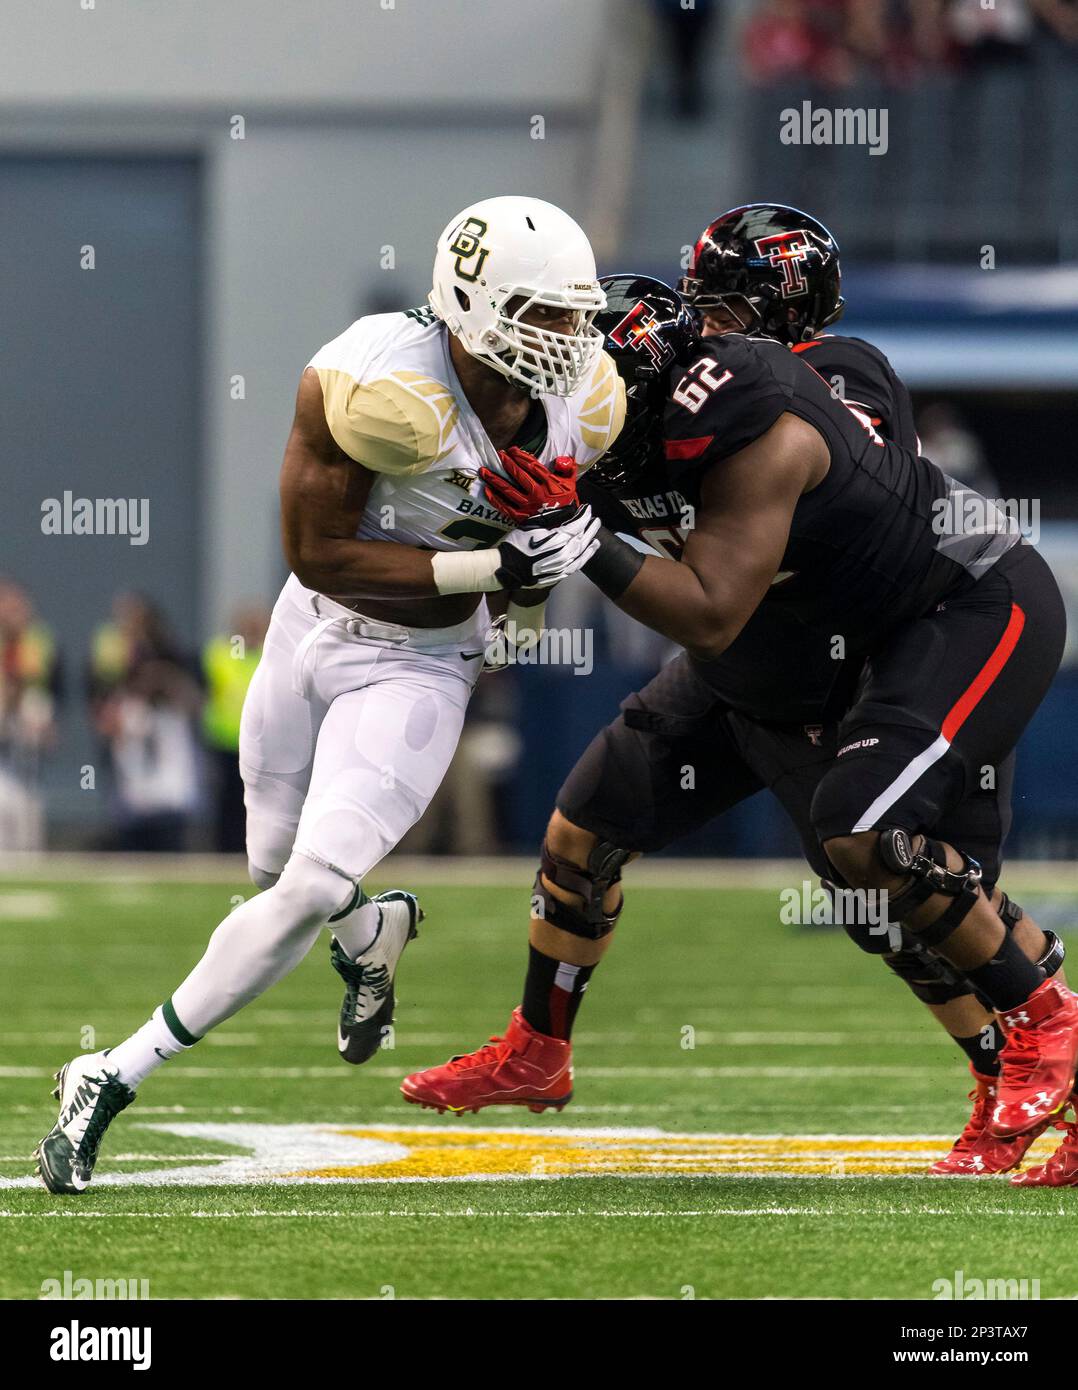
x,y
145,1050
357,931
260,943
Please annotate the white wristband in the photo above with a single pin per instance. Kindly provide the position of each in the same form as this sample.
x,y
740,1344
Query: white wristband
x,y
465,571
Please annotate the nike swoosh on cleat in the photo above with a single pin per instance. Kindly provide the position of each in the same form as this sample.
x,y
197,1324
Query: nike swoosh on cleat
x,y
469,656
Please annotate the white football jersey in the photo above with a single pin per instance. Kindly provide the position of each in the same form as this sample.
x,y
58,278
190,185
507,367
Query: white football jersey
x,y
394,404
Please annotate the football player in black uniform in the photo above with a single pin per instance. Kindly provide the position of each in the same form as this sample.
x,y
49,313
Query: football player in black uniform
x,y
770,270
806,528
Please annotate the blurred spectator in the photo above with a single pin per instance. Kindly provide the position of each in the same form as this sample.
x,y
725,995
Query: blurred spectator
x,y
228,663
687,28
1059,17
136,632
986,37
149,723
29,688
952,446
804,38
143,703
832,41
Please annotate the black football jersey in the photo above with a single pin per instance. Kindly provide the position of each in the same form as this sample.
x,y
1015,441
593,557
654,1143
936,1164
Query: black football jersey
x,y
866,549
861,376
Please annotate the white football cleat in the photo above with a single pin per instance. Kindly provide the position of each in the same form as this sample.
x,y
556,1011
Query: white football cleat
x,y
369,997
90,1096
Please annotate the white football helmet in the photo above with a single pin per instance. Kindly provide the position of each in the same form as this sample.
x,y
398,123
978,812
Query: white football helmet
x,y
509,248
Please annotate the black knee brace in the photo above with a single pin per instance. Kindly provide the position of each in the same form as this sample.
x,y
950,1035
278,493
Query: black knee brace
x,y
1009,911
1051,958
927,873
602,872
929,976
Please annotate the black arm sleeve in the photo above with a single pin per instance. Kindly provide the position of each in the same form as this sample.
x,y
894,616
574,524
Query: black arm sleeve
x,y
861,375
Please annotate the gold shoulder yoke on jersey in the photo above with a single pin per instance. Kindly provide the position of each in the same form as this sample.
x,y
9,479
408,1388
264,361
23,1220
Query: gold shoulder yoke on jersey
x,y
603,412
400,423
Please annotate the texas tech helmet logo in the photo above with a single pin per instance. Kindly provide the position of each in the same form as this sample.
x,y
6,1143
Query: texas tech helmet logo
x,y
787,251
639,330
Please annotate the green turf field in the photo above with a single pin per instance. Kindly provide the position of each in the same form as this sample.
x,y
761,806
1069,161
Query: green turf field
x,y
812,1094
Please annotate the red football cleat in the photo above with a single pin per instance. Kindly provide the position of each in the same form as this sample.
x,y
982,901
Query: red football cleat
x,y
1061,1169
523,1068
1037,1061
976,1153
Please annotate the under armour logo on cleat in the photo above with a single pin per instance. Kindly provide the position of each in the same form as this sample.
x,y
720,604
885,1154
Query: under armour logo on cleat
x,y
1035,1106
1013,1020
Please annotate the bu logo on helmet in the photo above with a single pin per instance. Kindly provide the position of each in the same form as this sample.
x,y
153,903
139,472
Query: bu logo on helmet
x,y
639,330
466,244
787,251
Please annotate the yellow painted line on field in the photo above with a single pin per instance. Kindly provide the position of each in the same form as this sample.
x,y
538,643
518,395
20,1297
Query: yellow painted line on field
x,y
489,1153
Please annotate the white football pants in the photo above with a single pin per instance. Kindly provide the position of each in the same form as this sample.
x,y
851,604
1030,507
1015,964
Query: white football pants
x,y
348,729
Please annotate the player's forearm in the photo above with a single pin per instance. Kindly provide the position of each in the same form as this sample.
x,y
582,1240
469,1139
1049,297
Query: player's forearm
x,y
666,595
365,569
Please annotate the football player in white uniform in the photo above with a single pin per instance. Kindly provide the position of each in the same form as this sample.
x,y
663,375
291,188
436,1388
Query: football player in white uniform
x,y
378,636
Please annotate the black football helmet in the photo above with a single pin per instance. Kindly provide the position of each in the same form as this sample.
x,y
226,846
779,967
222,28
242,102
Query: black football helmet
x,y
647,329
774,268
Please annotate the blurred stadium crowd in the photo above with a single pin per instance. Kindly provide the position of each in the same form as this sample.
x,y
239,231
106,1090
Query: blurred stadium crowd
x,y
166,722
837,42
981,99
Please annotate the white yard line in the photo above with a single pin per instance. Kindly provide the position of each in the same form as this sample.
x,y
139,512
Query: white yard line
x,y
695,1073
406,870
344,1213
137,1158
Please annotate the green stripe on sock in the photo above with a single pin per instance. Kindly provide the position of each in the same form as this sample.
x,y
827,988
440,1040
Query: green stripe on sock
x,y
175,1027
357,900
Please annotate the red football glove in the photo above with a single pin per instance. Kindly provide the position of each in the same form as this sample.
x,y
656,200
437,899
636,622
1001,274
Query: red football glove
x,y
533,493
